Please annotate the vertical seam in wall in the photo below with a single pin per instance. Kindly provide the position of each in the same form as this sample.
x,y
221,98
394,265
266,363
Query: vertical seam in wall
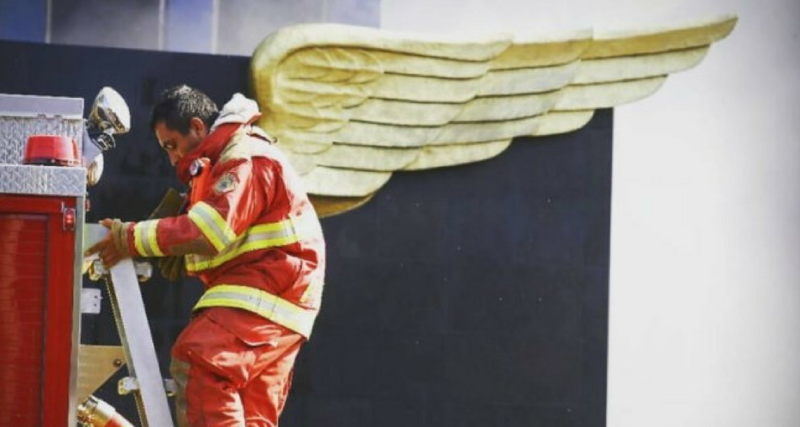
x,y
214,25
48,20
162,21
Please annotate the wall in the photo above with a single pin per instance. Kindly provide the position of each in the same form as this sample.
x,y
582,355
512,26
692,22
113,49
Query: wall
x,y
704,280
705,241
466,296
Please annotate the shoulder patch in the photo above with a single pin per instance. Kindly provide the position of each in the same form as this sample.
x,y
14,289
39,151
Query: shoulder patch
x,y
225,184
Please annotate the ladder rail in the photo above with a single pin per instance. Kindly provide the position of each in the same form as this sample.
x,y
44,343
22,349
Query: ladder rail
x,y
137,341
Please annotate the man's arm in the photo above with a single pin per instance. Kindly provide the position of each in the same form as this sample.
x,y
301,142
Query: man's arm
x,y
230,207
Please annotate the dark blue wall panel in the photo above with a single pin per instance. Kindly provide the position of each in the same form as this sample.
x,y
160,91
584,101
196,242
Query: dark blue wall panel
x,y
468,296
23,20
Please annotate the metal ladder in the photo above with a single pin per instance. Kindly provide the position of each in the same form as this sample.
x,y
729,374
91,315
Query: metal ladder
x,y
145,382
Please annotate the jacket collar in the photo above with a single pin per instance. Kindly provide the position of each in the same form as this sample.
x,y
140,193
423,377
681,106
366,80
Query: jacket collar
x,y
238,112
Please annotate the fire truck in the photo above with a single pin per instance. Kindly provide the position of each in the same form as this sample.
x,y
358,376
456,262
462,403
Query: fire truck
x,y
49,155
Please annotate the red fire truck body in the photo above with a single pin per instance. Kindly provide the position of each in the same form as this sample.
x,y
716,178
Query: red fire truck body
x,y
41,220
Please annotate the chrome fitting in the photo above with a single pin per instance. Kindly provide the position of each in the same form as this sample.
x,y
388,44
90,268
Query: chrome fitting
x,y
93,412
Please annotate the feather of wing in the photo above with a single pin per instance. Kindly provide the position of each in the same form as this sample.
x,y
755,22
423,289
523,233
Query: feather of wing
x,y
557,122
415,65
303,163
398,112
638,67
380,135
544,50
500,108
367,158
420,89
520,81
651,40
456,154
338,182
607,95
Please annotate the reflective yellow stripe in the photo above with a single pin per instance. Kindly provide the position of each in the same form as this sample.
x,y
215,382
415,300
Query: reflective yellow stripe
x,y
271,226
145,239
263,303
212,225
259,237
152,238
137,239
262,236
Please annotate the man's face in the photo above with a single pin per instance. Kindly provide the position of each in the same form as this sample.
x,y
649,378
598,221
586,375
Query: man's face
x,y
178,145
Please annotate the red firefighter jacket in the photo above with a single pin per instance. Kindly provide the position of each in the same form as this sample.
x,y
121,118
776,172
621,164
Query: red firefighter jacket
x,y
268,253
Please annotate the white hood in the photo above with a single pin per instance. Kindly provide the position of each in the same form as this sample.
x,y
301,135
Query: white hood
x,y
239,109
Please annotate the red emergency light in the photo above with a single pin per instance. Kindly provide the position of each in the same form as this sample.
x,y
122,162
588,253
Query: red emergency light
x,y
51,150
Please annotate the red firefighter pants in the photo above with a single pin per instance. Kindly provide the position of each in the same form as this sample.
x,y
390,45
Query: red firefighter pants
x,y
232,368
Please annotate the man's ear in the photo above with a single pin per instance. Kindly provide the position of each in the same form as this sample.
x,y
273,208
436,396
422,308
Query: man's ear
x,y
198,126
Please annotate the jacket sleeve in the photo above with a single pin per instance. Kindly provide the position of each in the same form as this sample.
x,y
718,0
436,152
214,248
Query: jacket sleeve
x,y
230,207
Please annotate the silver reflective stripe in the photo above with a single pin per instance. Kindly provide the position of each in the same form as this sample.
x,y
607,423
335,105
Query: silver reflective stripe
x,y
145,240
269,306
212,225
264,233
262,236
265,304
250,241
148,238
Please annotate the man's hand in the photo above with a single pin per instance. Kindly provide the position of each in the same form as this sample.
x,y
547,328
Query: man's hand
x,y
114,247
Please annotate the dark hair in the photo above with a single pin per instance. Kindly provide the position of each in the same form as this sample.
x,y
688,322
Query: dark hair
x,y
177,105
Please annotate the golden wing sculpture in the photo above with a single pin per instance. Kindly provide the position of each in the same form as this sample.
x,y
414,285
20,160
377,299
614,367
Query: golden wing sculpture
x,y
352,105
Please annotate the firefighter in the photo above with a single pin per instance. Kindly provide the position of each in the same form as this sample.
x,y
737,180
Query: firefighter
x,y
252,237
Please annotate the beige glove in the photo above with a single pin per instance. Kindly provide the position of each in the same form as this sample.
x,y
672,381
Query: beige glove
x,y
119,235
114,247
